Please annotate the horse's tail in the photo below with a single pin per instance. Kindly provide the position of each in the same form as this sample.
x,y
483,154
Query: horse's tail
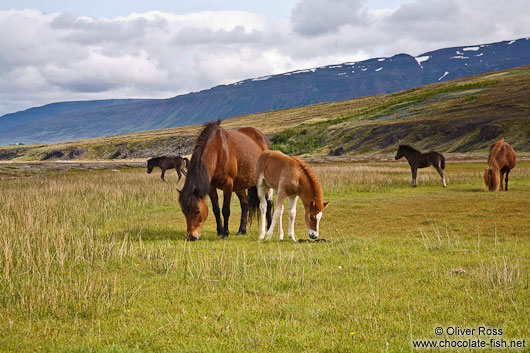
x,y
442,161
253,203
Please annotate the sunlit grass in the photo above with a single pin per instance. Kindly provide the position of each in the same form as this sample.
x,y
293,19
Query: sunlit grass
x,y
96,260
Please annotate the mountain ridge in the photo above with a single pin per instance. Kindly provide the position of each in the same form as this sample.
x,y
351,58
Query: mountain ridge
x,y
292,89
457,116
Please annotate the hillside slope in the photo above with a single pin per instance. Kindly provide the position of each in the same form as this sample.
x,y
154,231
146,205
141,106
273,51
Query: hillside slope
x,y
292,89
455,116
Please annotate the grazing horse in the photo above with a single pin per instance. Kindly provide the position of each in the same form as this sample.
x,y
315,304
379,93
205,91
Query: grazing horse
x,y
291,178
226,160
168,162
417,160
501,160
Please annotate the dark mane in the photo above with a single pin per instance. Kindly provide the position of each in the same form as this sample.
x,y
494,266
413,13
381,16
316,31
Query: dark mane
x,y
313,180
155,159
408,148
197,184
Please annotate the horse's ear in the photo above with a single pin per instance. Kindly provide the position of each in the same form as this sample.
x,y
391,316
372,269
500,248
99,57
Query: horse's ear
x,y
325,204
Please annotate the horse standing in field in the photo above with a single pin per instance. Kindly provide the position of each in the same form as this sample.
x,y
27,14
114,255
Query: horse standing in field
x,y
501,160
168,162
291,178
417,160
226,160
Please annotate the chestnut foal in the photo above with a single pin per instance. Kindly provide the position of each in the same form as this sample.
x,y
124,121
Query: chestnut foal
x,y
291,178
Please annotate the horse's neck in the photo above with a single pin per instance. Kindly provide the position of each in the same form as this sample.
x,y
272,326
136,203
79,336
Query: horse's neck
x,y
411,154
209,160
306,190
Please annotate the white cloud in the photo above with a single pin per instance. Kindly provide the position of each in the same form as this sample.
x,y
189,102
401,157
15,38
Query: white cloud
x,y
60,56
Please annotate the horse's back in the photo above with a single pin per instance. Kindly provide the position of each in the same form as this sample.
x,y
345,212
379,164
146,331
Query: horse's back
x,y
508,156
276,167
238,152
255,135
504,155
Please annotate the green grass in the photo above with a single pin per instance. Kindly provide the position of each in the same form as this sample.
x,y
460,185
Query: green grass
x,y
95,261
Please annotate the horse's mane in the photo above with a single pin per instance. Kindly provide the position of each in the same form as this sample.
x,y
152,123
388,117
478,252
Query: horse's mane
x,y
408,148
495,149
155,159
313,180
197,184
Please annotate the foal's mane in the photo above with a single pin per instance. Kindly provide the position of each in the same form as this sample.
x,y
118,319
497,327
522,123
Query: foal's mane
x,y
313,181
408,148
197,184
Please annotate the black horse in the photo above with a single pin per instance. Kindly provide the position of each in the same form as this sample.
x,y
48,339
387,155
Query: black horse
x,y
417,160
168,162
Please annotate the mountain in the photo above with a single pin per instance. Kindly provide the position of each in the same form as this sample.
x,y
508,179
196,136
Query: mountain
x,y
462,115
292,89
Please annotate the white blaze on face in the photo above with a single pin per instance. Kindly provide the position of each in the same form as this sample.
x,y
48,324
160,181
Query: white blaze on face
x,y
314,234
318,217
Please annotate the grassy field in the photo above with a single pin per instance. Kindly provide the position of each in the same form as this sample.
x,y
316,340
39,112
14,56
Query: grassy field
x,y
95,261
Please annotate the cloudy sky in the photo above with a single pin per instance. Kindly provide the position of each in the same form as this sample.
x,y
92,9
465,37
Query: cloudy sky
x,y
60,50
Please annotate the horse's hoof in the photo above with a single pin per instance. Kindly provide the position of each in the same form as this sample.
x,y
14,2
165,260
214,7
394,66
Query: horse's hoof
x,y
241,232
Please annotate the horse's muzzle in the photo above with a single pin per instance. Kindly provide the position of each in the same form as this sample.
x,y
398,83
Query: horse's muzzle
x,y
313,235
190,237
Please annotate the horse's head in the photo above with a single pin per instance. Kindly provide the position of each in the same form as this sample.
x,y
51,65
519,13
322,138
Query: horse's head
x,y
399,153
491,179
196,211
150,166
313,215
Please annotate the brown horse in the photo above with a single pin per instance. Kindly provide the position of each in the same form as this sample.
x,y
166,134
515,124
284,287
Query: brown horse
x,y
226,160
417,160
291,178
168,162
501,160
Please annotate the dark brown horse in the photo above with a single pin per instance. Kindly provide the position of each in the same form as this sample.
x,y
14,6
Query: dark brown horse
x,y
417,160
168,162
226,160
501,160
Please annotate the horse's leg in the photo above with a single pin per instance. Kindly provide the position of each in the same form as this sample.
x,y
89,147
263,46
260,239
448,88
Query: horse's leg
x,y
268,197
216,211
280,226
243,201
227,196
501,173
278,212
441,172
414,176
180,175
162,175
292,216
506,181
264,207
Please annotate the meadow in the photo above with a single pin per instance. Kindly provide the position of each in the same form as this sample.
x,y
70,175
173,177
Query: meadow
x,y
95,260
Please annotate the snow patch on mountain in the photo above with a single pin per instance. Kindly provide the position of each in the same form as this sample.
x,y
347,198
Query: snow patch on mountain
x,y
445,74
421,59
